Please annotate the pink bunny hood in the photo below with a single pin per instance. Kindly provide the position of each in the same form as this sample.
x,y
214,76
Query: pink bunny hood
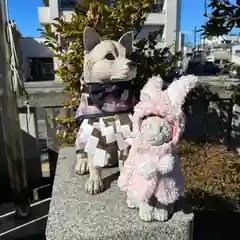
x,y
166,104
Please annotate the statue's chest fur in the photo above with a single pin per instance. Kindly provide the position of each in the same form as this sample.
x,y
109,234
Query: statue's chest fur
x,y
104,138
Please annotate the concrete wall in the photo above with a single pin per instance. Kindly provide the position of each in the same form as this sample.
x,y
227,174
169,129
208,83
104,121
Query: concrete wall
x,y
5,128
14,161
212,117
39,129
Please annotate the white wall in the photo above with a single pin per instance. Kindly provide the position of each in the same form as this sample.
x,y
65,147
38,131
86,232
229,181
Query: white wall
x,y
181,42
156,18
235,55
187,49
219,40
172,22
44,16
169,20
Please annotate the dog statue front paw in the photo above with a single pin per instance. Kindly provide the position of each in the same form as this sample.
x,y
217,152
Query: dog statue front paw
x,y
81,166
94,185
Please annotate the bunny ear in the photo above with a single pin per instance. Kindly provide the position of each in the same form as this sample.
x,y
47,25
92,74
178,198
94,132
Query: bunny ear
x,y
178,90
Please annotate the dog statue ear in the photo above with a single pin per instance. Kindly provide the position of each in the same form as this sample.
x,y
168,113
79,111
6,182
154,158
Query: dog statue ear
x,y
90,38
127,41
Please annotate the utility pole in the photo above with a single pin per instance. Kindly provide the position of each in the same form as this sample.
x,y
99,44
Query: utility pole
x,y
195,37
205,19
10,133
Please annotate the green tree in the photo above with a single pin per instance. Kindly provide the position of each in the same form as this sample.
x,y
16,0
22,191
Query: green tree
x,y
110,21
223,17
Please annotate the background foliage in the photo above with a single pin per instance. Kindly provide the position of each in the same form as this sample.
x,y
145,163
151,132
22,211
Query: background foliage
x,y
223,17
111,20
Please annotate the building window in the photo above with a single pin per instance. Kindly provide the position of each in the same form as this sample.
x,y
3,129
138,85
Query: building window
x,y
158,6
40,69
237,52
159,36
148,29
225,61
67,4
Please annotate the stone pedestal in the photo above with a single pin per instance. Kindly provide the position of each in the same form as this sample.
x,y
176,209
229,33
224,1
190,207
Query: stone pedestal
x,y
235,134
75,215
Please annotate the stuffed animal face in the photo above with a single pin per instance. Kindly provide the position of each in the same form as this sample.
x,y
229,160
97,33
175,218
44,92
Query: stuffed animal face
x,y
156,130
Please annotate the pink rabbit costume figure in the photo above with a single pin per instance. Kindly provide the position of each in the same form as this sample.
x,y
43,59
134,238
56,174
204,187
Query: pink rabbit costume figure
x,y
151,175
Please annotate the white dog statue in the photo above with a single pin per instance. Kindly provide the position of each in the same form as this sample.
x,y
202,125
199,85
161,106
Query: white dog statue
x,y
105,105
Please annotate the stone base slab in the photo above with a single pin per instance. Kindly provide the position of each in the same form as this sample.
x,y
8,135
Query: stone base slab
x,y
76,215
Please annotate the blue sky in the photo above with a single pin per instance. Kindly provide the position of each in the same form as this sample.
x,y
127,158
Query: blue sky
x,y
25,13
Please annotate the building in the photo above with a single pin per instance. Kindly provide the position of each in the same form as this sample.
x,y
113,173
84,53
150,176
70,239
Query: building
x,y
235,54
37,60
165,18
229,39
38,63
221,50
181,41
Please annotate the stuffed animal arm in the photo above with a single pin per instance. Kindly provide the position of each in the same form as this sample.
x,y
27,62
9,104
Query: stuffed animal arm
x,y
147,169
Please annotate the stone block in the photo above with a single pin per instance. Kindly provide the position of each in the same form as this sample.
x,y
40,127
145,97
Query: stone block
x,y
235,134
195,112
31,147
217,121
75,215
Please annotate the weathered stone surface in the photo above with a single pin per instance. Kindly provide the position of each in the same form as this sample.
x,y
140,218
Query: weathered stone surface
x,y
235,134
195,112
76,215
217,121
44,94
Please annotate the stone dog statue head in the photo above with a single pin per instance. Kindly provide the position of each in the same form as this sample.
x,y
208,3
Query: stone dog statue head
x,y
106,61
